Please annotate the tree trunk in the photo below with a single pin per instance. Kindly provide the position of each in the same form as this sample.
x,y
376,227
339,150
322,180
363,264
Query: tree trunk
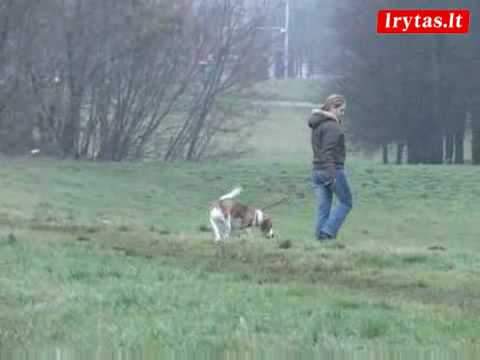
x,y
460,140
425,149
71,130
385,154
414,151
200,121
476,147
476,138
459,148
435,138
449,147
400,149
435,148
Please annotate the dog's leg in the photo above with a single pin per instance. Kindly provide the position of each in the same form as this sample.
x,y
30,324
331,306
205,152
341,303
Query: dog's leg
x,y
220,239
216,230
228,225
216,220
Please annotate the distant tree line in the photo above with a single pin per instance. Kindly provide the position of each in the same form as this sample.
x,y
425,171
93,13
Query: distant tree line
x,y
114,80
419,92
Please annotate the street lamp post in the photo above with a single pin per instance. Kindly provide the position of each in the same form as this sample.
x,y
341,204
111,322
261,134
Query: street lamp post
x,y
286,44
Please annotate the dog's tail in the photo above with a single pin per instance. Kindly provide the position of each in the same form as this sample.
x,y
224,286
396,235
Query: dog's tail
x,y
232,194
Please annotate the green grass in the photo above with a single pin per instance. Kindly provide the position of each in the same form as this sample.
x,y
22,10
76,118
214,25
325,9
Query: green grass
x,y
288,90
119,254
117,260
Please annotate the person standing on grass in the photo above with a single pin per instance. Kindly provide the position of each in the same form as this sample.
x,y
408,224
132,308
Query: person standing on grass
x,y
329,177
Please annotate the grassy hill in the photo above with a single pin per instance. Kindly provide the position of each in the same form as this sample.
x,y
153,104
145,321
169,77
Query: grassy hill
x,y
120,254
117,260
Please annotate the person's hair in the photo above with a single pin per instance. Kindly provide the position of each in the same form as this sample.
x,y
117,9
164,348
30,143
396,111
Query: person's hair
x,y
333,101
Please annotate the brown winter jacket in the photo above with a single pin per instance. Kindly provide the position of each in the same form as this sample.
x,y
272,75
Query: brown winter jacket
x,y
328,143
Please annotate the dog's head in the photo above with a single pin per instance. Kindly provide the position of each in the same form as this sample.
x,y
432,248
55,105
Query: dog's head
x,y
266,227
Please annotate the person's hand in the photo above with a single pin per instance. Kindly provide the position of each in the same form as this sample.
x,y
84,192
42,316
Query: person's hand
x,y
331,177
331,181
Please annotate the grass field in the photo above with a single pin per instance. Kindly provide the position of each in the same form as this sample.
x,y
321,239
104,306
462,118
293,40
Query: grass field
x,y
117,261
288,90
120,255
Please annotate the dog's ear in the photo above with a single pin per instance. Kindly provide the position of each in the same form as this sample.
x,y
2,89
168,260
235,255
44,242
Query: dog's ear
x,y
266,224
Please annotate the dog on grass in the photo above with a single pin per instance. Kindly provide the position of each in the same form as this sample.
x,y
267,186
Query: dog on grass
x,y
227,214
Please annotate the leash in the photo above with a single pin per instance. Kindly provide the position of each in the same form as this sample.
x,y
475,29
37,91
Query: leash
x,y
275,204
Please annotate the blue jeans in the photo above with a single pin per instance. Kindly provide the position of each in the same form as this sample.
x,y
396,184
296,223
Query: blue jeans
x,y
328,221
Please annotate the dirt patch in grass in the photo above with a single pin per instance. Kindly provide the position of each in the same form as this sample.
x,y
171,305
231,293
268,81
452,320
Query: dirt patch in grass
x,y
385,274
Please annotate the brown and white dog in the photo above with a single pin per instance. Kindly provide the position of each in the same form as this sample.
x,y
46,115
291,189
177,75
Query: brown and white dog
x,y
227,214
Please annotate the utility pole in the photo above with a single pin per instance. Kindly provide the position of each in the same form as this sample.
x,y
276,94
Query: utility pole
x,y
286,45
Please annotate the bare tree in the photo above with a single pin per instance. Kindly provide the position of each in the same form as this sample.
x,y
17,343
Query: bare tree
x,y
105,80
234,53
15,130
